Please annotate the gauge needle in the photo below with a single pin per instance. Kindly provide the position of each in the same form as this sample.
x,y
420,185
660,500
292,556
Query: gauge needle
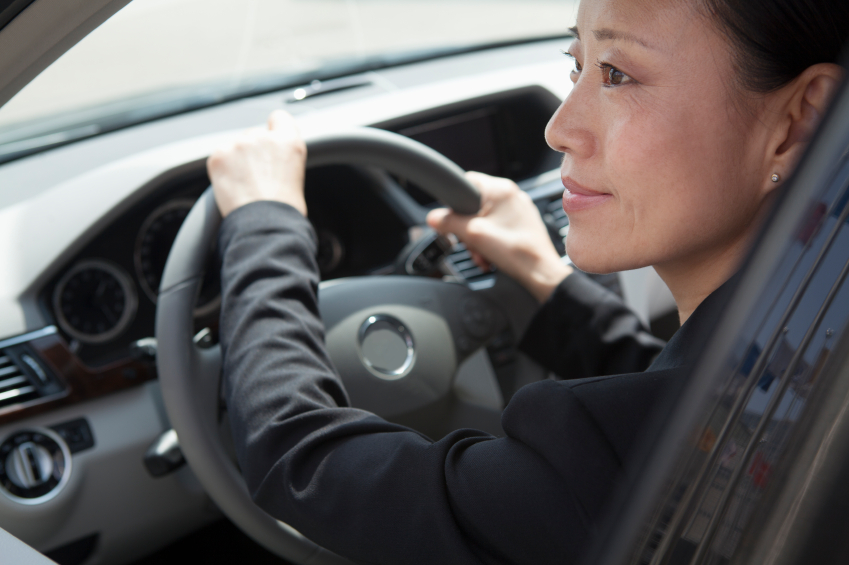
x,y
108,313
98,300
101,288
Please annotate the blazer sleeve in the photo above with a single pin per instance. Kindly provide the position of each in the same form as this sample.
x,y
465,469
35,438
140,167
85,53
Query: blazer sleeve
x,y
584,330
371,490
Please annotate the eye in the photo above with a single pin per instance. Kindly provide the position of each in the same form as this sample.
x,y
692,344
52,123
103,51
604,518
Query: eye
x,y
578,68
611,76
615,76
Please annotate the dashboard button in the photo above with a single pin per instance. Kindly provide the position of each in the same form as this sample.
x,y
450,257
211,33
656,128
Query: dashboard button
x,y
76,433
478,318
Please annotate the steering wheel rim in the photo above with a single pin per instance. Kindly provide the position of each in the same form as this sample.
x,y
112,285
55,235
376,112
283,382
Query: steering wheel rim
x,y
190,376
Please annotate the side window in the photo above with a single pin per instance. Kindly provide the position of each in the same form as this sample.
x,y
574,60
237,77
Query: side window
x,y
764,375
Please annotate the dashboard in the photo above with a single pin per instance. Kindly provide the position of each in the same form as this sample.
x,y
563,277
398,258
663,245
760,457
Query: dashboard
x,y
85,230
103,299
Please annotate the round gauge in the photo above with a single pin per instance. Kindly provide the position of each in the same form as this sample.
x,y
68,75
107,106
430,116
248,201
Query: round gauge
x,y
94,301
330,251
154,242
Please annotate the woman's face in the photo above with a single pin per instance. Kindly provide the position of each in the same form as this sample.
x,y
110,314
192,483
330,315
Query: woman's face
x,y
661,164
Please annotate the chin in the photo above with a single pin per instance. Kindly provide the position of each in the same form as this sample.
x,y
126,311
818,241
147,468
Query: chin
x,y
600,256
592,265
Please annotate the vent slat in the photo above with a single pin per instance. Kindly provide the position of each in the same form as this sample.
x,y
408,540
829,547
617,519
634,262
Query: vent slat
x,y
461,256
15,384
554,205
15,393
14,381
461,260
472,273
465,265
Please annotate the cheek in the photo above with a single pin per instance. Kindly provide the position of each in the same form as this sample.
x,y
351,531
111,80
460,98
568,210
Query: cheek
x,y
700,185
680,184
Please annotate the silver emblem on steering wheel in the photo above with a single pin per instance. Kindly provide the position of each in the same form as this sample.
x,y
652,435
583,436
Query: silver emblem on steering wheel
x,y
386,347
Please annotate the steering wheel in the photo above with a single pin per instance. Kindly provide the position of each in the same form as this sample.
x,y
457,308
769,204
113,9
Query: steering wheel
x,y
397,341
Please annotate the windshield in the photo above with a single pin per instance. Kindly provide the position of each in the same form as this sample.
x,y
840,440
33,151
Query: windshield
x,y
166,56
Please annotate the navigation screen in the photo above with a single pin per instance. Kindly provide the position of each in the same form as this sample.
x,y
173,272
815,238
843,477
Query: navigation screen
x,y
467,139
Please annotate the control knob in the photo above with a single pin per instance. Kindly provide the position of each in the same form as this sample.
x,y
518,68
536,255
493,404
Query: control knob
x,y
34,465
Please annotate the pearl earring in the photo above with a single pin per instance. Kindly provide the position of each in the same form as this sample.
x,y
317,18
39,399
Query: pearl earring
x,y
776,177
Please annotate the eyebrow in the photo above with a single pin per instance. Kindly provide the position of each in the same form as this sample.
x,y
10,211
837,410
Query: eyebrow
x,y
607,34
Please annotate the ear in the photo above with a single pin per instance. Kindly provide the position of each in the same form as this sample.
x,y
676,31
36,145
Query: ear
x,y
802,108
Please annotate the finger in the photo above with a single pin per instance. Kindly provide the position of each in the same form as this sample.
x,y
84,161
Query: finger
x,y
477,178
479,181
491,188
481,262
281,120
248,137
436,216
216,159
445,221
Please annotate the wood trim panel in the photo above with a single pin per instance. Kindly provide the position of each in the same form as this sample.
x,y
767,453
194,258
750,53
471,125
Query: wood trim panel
x,y
82,382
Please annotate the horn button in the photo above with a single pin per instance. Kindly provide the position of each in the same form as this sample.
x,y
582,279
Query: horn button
x,y
387,347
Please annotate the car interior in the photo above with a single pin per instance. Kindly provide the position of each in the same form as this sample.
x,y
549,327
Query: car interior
x,y
93,220
91,469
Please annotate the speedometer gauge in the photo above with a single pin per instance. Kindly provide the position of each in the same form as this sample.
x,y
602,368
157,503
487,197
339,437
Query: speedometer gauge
x,y
154,242
94,301
330,251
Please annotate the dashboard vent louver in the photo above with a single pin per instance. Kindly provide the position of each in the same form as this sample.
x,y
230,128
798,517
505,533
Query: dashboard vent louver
x,y
460,262
557,223
15,385
556,215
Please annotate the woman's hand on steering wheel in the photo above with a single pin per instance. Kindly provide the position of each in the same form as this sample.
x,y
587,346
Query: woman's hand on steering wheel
x,y
262,164
509,232
269,164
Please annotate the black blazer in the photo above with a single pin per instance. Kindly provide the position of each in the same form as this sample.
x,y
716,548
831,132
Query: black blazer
x,y
377,492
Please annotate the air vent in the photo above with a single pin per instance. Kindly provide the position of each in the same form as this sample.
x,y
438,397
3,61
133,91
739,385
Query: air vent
x,y
23,377
460,260
557,223
461,265
15,385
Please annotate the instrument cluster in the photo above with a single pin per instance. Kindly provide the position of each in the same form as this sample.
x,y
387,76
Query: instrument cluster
x,y
104,299
156,236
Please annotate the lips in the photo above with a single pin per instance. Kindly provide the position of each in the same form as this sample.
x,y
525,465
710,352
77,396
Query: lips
x,y
578,197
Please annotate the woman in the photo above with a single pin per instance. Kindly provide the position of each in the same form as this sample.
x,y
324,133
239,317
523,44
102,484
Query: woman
x,y
684,117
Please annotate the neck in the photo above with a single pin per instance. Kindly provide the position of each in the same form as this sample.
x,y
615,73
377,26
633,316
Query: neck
x,y
693,279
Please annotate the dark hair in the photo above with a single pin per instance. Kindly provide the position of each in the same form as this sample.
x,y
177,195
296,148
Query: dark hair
x,y
774,41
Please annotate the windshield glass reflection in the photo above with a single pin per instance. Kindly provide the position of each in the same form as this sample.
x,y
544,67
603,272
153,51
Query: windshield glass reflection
x,y
169,56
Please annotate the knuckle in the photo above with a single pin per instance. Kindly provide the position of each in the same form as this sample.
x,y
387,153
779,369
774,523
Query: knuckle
x,y
506,186
216,159
474,231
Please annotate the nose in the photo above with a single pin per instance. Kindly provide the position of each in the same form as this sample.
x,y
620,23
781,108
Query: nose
x,y
570,129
